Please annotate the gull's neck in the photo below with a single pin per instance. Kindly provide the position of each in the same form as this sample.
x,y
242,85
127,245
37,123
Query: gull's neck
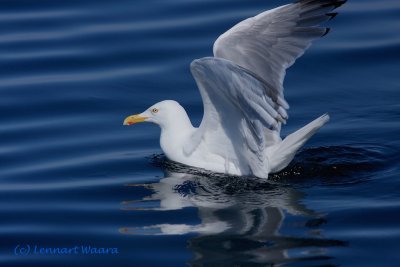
x,y
175,133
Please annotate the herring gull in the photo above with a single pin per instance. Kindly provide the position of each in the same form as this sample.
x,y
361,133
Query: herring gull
x,y
242,92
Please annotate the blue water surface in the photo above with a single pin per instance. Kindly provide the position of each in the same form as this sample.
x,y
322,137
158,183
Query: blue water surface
x,y
71,175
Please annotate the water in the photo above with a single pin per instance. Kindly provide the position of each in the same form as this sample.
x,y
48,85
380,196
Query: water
x,y
72,175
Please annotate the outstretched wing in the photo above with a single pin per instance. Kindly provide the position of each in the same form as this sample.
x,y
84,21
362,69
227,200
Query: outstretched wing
x,y
241,86
241,118
270,42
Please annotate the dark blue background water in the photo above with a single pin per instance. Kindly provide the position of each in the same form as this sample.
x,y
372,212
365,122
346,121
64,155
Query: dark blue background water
x,y
72,175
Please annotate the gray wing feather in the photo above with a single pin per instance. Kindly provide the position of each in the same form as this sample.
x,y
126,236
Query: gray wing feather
x,y
236,108
270,42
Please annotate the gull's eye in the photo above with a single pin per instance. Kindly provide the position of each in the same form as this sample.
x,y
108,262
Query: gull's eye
x,y
154,110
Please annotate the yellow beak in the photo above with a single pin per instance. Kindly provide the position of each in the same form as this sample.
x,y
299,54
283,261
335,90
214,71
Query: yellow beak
x,y
134,119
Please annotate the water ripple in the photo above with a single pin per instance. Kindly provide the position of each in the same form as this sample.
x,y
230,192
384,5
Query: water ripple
x,y
71,173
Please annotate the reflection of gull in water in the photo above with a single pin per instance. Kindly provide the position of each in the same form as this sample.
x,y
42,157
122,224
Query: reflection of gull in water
x,y
240,218
210,199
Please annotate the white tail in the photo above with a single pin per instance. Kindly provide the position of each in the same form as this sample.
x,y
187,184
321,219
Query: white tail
x,y
282,153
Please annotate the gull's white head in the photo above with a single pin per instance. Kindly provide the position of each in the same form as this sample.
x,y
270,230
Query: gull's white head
x,y
164,113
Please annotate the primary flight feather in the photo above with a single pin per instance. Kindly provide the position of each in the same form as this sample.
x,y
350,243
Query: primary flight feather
x,y
242,92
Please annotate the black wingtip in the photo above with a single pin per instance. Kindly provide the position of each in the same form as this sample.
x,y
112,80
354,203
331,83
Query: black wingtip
x,y
332,15
335,4
339,3
324,3
327,30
